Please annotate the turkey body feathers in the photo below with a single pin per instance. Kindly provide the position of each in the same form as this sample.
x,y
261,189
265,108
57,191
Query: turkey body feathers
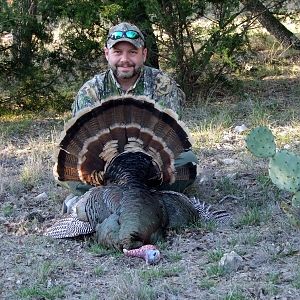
x,y
126,216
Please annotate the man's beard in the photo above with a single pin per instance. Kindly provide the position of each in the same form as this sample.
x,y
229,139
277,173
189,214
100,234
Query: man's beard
x,y
125,75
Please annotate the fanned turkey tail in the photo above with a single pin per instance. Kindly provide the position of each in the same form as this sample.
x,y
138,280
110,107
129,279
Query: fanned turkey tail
x,y
93,140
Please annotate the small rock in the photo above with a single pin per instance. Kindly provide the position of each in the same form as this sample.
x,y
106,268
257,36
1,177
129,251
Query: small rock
x,y
231,261
204,179
240,129
231,175
49,283
42,196
228,161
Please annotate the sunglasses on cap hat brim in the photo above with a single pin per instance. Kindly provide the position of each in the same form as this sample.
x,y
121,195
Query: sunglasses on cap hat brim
x,y
129,34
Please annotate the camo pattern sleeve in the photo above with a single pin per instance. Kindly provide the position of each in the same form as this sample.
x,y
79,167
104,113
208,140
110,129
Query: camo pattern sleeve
x,y
89,93
164,89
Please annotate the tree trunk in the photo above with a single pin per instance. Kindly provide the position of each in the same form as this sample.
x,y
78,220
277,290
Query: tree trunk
x,y
271,24
22,48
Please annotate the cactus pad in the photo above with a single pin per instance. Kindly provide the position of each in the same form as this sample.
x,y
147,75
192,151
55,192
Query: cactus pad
x,y
284,170
260,142
296,200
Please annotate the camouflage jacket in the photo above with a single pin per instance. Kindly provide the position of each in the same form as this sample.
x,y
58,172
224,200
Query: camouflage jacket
x,y
152,83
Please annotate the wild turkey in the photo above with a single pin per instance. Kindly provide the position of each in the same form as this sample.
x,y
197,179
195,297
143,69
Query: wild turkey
x,y
126,147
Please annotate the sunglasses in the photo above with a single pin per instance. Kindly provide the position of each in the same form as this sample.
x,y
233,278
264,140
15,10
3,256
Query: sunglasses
x,y
130,34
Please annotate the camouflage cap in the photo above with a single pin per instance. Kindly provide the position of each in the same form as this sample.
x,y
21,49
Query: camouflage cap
x,y
124,27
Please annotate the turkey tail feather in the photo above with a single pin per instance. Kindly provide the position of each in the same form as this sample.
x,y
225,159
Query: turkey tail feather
x,y
206,214
69,226
116,125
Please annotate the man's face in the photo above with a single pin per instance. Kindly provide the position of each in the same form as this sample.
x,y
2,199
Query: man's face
x,y
125,60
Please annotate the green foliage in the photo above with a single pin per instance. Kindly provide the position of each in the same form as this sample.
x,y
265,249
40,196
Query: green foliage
x,y
99,271
207,283
37,292
251,217
31,64
192,50
56,43
214,270
215,255
99,250
296,280
235,295
174,256
8,209
149,275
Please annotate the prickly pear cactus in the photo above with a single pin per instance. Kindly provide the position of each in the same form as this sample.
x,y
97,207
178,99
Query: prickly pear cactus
x,y
260,142
284,168
284,171
296,200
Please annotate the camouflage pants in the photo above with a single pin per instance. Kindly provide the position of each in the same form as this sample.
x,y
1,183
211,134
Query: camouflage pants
x,y
186,159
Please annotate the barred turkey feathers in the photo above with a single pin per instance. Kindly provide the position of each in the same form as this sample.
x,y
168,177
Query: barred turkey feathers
x,y
117,125
69,226
219,217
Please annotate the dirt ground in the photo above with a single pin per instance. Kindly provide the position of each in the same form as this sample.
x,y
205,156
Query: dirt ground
x,y
33,266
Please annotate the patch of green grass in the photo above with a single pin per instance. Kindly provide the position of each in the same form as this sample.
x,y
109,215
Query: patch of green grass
x,y
227,186
235,295
273,277
251,217
296,280
289,250
99,271
8,209
159,272
45,270
18,125
264,180
207,225
250,239
245,238
271,286
288,134
215,255
34,170
207,283
131,286
38,292
162,245
173,256
233,241
206,137
260,114
99,250
214,270
268,70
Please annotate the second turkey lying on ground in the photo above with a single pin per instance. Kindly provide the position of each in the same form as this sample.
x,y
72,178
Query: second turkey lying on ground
x,y
126,146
